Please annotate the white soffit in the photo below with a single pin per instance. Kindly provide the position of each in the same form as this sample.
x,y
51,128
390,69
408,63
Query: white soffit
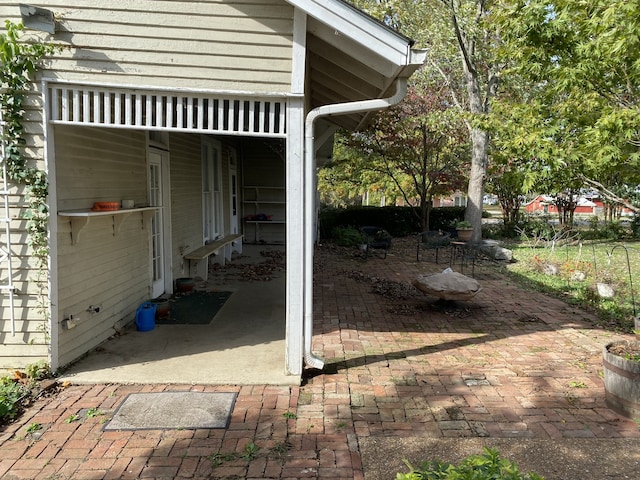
x,y
370,58
347,22
352,57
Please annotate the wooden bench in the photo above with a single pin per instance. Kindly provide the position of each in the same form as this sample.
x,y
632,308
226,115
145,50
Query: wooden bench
x,y
221,248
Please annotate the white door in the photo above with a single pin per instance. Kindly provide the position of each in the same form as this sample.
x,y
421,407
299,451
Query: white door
x,y
212,190
158,192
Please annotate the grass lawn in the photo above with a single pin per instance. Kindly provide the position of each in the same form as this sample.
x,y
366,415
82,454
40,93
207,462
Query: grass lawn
x,y
572,271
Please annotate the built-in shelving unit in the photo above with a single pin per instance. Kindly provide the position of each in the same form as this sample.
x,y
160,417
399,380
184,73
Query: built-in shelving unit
x,y
264,214
81,218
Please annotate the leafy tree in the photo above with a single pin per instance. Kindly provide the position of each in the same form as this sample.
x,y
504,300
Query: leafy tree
x,y
419,146
461,40
581,60
348,180
505,180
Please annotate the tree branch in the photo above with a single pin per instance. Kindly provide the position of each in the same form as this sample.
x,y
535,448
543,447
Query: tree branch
x,y
448,83
609,195
465,48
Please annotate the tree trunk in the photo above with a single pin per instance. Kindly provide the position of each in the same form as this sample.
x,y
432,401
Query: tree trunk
x,y
424,215
479,143
475,191
510,210
427,220
478,105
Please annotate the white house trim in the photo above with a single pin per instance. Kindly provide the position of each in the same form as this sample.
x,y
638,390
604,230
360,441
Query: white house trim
x,y
117,107
295,201
50,163
350,23
299,64
295,239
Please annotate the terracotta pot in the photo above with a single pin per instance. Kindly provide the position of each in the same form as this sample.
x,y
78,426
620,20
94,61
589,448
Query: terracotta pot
x,y
185,284
163,308
464,234
621,383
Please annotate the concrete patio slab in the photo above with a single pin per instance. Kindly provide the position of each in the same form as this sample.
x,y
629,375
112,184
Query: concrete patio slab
x,y
243,344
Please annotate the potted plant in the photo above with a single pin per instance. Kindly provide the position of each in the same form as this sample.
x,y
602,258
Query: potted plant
x,y
621,361
465,230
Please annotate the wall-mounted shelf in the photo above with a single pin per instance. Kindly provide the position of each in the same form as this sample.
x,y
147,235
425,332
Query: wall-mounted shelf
x,y
265,221
80,218
260,199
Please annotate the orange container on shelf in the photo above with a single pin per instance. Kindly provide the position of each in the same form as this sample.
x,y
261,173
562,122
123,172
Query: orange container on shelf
x,y
105,206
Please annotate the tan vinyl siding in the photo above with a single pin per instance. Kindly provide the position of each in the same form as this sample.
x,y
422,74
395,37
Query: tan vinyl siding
x,y
241,46
186,198
224,45
99,164
106,267
31,302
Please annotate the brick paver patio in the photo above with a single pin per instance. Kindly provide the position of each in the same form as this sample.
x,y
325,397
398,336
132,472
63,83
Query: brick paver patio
x,y
511,363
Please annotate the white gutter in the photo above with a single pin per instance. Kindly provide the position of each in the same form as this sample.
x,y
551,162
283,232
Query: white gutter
x,y
309,197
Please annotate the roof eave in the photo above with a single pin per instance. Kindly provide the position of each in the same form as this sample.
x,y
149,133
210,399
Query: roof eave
x,y
359,27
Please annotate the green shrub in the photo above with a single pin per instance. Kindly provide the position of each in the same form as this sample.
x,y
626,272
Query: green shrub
x,y
539,228
613,231
38,371
14,390
598,230
635,226
398,221
348,236
488,466
500,231
11,394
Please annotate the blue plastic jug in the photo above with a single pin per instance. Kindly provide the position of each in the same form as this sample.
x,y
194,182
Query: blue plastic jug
x,y
146,317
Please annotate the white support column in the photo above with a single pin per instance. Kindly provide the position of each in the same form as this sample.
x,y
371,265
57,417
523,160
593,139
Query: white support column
x,y
295,202
50,165
295,238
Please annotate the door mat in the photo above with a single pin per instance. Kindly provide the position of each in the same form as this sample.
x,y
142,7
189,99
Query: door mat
x,y
195,308
173,410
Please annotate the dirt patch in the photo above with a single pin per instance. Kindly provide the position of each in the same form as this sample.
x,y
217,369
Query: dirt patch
x,y
562,459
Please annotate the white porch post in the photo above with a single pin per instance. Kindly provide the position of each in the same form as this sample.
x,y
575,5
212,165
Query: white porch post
x,y
295,201
50,162
295,238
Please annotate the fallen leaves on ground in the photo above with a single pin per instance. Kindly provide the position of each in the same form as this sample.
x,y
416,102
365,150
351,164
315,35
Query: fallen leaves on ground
x,y
254,272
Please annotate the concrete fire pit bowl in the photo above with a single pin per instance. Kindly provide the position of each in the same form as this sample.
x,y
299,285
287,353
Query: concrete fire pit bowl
x,y
448,285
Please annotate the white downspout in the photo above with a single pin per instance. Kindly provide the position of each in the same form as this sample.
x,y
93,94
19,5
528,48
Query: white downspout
x,y
309,197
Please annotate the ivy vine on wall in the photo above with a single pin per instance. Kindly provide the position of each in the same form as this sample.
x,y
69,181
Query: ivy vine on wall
x,y
18,63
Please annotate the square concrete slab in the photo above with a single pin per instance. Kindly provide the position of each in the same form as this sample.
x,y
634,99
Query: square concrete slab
x,y
173,410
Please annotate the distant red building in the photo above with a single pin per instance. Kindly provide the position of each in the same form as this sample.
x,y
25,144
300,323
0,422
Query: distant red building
x,y
544,204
